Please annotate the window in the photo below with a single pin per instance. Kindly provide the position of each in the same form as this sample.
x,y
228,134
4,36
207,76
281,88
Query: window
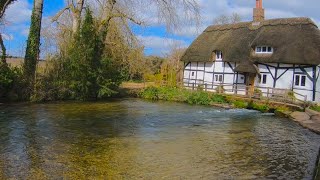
x,y
300,80
264,49
218,55
264,79
218,78
192,74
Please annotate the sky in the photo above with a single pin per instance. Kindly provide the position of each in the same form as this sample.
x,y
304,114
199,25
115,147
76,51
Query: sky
x,y
154,37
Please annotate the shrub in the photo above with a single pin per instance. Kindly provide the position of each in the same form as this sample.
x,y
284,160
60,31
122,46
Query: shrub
x,y
150,93
199,98
12,83
261,107
240,104
216,98
257,92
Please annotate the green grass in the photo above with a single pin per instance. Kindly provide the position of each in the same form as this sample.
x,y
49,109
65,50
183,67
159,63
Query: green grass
x,y
205,98
315,108
182,95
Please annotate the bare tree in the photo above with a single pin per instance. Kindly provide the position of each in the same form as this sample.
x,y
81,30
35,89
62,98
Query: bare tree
x,y
4,4
167,11
227,19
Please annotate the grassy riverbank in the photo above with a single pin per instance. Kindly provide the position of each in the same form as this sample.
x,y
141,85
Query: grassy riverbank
x,y
208,98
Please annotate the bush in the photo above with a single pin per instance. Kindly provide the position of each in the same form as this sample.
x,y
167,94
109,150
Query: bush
x,y
150,93
12,83
261,107
216,98
199,98
240,104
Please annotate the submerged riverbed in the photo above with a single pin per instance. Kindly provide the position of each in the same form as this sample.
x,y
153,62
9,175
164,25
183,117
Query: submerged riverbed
x,y
135,139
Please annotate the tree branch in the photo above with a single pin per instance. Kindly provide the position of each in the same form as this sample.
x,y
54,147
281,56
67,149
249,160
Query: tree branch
x,y
57,16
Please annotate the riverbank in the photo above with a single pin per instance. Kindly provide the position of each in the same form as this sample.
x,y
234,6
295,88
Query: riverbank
x,y
307,118
213,99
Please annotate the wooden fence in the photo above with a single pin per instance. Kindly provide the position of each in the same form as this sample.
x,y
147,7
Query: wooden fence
x,y
276,94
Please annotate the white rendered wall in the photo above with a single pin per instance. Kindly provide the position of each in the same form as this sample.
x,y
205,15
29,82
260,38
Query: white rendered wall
x,y
204,73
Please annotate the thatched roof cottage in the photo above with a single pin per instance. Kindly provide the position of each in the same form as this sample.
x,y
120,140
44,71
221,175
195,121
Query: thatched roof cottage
x,y
268,54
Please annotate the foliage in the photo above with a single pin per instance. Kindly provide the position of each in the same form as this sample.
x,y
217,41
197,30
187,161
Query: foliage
x,y
33,43
84,72
315,108
217,98
12,84
240,104
199,98
261,107
258,92
182,95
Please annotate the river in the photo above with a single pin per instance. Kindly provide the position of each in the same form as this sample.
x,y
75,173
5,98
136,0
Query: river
x,y
136,139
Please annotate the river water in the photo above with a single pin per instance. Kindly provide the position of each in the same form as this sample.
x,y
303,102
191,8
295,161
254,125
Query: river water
x,y
135,139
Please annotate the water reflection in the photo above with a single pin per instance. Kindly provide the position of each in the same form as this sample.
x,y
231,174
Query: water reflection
x,y
136,139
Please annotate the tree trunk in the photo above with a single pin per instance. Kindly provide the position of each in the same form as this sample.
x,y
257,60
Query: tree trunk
x,y
76,21
33,43
4,5
3,48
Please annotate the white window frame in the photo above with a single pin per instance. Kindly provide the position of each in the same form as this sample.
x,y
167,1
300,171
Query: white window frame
x,y
298,81
218,78
219,55
260,50
266,79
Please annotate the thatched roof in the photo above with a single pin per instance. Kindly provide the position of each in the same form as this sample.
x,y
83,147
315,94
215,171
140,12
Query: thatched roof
x,y
295,41
247,67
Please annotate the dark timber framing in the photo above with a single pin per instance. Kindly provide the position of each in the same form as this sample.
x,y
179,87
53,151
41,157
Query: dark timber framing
x,y
276,71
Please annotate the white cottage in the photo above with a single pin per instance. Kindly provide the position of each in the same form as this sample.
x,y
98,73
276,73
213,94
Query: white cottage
x,y
275,53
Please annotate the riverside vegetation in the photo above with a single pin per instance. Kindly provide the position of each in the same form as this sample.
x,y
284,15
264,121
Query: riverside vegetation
x,y
207,98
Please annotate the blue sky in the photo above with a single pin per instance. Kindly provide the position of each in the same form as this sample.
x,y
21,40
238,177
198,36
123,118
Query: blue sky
x,y
154,36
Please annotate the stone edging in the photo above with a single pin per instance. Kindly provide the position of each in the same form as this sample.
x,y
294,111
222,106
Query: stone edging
x,y
309,119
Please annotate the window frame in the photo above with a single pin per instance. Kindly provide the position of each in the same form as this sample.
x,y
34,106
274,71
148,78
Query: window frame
x,y
219,55
264,50
264,79
218,78
300,80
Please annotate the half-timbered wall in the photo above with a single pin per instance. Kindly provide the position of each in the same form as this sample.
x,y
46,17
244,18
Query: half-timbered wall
x,y
282,76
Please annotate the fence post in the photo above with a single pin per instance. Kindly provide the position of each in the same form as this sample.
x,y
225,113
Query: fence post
x,y
192,86
205,86
268,91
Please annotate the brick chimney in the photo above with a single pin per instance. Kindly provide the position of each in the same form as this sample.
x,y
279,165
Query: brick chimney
x,y
258,12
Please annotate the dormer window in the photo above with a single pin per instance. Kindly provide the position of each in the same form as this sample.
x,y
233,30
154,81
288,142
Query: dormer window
x,y
218,55
264,50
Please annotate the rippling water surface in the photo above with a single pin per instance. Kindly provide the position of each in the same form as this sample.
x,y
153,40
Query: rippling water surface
x,y
134,139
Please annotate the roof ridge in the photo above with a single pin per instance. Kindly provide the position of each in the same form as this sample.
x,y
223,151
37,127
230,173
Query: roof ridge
x,y
268,22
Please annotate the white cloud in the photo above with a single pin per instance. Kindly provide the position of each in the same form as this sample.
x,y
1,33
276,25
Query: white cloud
x,y
17,17
19,12
161,45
